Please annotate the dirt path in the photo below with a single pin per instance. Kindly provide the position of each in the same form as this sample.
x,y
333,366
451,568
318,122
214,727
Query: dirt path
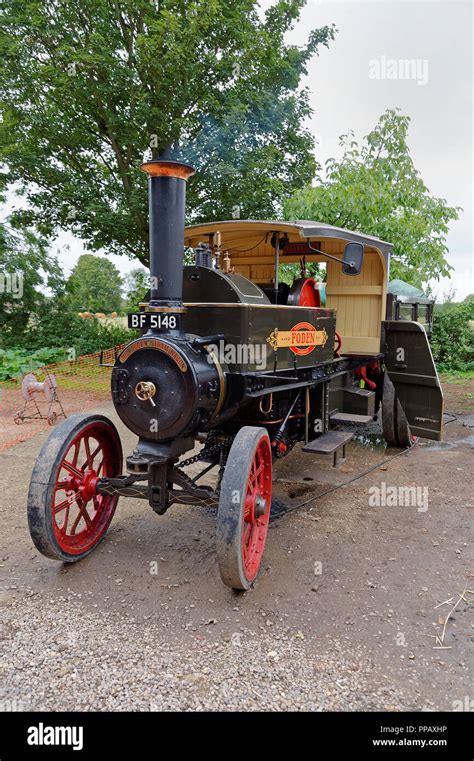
x,y
339,619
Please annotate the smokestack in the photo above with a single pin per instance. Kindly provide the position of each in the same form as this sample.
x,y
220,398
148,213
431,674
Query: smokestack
x,y
166,199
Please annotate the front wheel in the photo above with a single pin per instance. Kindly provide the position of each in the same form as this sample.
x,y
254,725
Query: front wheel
x,y
244,507
66,518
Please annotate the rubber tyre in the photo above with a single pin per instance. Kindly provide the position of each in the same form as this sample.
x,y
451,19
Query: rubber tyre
x,y
395,426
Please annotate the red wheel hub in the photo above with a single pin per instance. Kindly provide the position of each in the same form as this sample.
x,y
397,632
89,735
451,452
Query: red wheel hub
x,y
80,516
257,509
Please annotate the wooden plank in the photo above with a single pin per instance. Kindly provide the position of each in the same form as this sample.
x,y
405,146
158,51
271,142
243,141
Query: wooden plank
x,y
360,344
354,290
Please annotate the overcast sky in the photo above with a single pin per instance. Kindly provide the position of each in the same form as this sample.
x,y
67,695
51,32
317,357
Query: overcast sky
x,y
438,37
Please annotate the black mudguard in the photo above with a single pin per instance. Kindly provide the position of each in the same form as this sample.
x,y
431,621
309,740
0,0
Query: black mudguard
x,y
411,368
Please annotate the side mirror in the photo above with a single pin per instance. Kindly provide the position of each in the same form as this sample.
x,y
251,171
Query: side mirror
x,y
353,258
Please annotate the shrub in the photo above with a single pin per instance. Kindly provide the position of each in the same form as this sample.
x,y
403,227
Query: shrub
x,y
60,328
453,338
16,362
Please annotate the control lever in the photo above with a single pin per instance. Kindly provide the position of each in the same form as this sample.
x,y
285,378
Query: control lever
x,y
206,340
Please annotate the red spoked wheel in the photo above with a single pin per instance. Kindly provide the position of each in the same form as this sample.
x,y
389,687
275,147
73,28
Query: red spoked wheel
x,y
67,519
337,344
244,508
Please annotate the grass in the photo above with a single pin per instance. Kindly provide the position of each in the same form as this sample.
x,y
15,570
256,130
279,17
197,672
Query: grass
x,y
457,376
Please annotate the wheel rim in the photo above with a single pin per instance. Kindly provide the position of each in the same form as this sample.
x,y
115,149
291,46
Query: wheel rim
x,y
80,516
257,509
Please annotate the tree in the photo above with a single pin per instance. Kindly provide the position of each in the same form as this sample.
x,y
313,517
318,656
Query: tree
x,y
95,285
91,87
136,288
26,270
374,188
453,336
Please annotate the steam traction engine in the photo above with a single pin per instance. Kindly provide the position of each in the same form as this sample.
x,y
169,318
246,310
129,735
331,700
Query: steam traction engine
x,y
227,357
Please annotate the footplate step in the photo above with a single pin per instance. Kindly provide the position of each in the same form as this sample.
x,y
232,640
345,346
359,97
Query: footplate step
x,y
333,442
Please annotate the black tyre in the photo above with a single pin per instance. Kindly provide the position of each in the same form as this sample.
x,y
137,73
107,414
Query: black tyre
x,y
395,426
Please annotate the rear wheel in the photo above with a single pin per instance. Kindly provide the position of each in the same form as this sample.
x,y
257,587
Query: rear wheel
x,y
395,426
244,508
67,519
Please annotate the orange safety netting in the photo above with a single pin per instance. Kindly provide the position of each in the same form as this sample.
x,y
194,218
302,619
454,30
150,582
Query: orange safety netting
x,y
80,385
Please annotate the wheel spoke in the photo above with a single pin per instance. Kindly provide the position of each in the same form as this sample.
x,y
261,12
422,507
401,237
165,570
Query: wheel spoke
x,y
252,483
88,451
72,469
95,453
259,471
97,500
250,545
246,535
66,502
77,446
81,514
66,520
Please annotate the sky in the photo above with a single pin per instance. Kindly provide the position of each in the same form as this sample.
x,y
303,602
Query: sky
x,y
350,88
362,74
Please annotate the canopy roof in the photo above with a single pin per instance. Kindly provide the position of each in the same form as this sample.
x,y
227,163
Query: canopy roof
x,y
242,235
405,291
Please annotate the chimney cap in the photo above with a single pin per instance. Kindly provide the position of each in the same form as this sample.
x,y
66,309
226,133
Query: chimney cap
x,y
167,168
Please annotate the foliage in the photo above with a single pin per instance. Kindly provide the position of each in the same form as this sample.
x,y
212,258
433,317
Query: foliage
x,y
453,337
95,285
25,267
17,362
375,189
60,328
136,287
88,88
289,272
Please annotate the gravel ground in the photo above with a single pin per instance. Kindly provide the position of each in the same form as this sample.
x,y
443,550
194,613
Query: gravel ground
x,y
109,634
130,665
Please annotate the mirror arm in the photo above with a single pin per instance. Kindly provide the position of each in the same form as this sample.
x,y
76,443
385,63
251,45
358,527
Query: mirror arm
x,y
329,256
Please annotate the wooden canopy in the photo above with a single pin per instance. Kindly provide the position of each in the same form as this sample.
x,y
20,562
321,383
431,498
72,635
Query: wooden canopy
x,y
360,300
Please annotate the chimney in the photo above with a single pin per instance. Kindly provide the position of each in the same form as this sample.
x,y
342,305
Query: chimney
x,y
166,199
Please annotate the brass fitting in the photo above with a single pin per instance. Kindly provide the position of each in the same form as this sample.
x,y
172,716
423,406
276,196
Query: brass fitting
x,y
145,390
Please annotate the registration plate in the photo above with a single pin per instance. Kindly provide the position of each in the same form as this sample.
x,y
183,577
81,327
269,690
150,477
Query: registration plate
x,y
154,321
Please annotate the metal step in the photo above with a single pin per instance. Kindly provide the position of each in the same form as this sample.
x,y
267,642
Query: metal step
x,y
332,442
349,417
358,391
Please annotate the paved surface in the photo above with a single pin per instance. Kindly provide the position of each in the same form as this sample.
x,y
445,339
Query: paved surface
x,y
343,616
